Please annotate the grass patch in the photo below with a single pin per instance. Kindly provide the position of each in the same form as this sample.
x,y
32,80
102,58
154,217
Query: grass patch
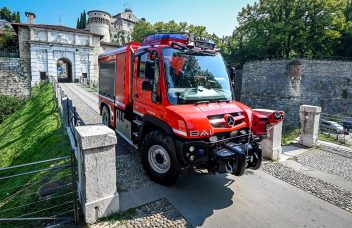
x,y
33,133
120,217
289,135
332,138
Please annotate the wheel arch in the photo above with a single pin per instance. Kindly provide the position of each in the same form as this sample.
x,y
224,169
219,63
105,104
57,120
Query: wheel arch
x,y
151,123
102,104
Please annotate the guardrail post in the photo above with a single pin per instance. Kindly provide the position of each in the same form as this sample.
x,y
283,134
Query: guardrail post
x,y
309,116
271,146
97,171
64,109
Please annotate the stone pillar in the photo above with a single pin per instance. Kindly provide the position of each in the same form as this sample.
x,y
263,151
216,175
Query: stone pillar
x,y
271,146
309,116
97,171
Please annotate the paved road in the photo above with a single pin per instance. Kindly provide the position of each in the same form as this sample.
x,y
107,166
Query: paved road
x,y
87,105
256,199
253,200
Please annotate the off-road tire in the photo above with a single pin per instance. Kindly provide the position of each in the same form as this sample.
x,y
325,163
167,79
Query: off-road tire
x,y
105,116
161,139
258,162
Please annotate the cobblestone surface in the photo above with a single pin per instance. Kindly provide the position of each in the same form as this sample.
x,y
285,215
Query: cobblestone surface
x,y
327,162
130,173
160,213
325,191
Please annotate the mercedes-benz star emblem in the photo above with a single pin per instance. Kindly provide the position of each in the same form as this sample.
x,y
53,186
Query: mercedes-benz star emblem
x,y
230,120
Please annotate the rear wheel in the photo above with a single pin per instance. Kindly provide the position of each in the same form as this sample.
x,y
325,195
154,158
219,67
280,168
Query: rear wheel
x,y
105,115
159,158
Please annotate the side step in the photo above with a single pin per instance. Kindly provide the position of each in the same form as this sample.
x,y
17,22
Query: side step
x,y
137,122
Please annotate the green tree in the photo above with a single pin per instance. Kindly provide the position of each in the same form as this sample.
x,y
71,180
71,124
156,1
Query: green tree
x,y
82,21
143,28
18,17
7,15
284,28
78,24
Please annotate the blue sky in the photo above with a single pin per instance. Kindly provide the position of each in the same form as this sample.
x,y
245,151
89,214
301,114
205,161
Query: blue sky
x,y
219,16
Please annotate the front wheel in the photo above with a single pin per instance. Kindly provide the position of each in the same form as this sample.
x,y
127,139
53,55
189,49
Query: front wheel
x,y
105,115
159,158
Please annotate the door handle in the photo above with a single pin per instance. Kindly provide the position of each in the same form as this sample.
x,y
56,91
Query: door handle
x,y
136,95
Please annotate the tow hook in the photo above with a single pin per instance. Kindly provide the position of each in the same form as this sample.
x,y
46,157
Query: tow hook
x,y
228,167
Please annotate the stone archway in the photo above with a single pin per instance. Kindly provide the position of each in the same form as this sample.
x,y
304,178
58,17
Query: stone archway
x,y
64,70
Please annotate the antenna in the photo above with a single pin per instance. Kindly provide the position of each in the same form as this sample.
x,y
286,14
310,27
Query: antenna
x,y
127,4
59,15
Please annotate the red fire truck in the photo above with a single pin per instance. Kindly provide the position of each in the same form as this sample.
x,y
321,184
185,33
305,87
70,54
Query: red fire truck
x,y
171,97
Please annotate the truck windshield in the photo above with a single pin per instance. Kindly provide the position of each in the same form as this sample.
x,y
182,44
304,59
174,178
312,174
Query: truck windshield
x,y
195,77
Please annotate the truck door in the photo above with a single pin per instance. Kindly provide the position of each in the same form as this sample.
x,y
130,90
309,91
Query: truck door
x,y
146,88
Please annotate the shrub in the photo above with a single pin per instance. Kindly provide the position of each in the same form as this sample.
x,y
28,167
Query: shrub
x,y
9,105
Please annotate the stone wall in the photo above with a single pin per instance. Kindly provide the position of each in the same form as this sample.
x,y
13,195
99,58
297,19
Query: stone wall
x,y
14,79
269,84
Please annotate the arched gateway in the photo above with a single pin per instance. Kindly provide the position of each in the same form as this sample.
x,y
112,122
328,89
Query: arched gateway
x,y
64,70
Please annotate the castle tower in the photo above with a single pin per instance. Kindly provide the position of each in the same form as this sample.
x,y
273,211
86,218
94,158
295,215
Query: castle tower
x,y
99,23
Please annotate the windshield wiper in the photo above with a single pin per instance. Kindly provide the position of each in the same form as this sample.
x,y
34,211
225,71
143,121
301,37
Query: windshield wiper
x,y
223,100
201,102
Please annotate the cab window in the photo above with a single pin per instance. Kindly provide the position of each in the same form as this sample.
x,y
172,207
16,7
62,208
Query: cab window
x,y
141,66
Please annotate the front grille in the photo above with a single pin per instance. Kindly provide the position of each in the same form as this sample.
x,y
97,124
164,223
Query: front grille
x,y
218,121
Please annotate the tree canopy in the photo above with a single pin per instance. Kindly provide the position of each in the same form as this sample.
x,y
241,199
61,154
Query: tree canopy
x,y
7,15
82,21
284,28
143,28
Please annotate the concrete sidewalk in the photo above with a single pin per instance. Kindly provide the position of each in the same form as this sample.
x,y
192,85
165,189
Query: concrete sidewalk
x,y
253,200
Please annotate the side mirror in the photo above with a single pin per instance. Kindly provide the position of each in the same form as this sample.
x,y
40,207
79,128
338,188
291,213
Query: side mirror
x,y
147,85
232,73
149,69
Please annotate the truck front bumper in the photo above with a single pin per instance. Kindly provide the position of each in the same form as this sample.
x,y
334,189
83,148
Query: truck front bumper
x,y
225,156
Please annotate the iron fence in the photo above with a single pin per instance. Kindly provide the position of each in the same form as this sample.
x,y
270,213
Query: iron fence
x,y
39,194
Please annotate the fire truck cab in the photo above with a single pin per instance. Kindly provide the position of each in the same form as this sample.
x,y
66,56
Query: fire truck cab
x,y
171,98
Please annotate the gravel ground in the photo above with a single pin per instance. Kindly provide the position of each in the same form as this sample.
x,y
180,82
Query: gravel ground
x,y
325,191
160,213
327,162
130,173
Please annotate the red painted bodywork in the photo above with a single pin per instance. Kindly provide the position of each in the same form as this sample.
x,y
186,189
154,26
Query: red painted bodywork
x,y
182,119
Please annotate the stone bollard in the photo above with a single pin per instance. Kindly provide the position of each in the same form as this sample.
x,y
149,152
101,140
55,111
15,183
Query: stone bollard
x,y
309,116
97,171
271,146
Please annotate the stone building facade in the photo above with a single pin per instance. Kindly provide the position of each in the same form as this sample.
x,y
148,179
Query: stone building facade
x,y
286,84
122,25
14,78
99,23
44,46
116,29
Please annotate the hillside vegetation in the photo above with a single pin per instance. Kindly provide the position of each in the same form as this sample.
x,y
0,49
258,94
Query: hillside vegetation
x,y
34,132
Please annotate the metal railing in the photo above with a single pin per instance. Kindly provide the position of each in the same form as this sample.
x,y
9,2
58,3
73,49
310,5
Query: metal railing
x,y
39,193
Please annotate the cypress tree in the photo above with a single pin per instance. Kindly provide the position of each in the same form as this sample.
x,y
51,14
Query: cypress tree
x,y
18,17
77,26
84,19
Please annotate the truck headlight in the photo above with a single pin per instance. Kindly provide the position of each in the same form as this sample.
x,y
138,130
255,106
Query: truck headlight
x,y
191,148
